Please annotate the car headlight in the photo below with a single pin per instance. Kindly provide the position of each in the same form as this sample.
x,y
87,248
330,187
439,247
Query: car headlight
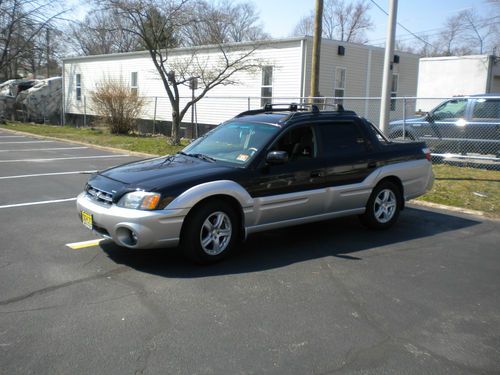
x,y
140,200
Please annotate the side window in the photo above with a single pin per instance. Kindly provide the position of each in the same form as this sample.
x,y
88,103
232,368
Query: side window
x,y
341,139
486,109
78,86
452,109
339,89
266,91
134,88
394,90
300,143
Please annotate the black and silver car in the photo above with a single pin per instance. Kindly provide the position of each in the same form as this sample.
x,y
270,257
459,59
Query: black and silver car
x,y
460,125
261,170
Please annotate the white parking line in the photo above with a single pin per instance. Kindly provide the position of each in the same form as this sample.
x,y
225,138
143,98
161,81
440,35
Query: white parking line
x,y
38,203
46,174
9,143
69,158
45,149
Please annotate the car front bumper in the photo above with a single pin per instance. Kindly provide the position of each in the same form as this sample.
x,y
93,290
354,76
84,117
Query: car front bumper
x,y
136,229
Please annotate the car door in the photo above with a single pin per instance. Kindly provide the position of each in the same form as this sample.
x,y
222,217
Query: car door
x,y
448,123
345,156
483,130
294,189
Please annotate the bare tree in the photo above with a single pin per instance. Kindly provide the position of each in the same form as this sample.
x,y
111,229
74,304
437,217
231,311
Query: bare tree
x,y
223,22
473,23
453,28
305,26
102,32
345,21
21,23
156,23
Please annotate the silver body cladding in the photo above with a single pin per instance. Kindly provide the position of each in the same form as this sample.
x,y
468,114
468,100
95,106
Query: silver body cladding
x,y
162,228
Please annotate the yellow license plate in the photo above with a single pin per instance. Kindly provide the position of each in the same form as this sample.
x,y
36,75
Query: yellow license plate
x,y
87,219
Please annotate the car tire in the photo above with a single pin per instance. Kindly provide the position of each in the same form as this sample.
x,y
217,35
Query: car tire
x,y
383,207
211,232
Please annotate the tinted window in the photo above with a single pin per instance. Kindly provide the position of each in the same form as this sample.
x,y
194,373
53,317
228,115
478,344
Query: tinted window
x,y
486,109
342,139
299,143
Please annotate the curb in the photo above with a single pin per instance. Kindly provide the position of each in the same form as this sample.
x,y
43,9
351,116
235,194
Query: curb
x,y
105,148
450,208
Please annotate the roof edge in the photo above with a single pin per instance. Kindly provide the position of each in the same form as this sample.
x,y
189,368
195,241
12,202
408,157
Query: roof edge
x,y
194,48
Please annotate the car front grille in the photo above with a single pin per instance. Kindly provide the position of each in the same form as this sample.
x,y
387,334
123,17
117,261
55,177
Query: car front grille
x,y
99,195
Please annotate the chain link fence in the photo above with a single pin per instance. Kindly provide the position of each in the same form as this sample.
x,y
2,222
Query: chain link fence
x,y
458,130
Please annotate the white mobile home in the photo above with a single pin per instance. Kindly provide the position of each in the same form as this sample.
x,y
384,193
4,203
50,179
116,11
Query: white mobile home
x,y
347,70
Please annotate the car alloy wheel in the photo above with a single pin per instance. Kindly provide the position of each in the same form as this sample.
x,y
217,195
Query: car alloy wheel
x,y
215,233
384,206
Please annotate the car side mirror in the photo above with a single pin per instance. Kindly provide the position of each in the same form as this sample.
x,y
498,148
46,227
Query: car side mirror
x,y
277,157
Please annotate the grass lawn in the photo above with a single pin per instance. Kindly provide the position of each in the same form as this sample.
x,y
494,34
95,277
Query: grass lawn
x,y
471,188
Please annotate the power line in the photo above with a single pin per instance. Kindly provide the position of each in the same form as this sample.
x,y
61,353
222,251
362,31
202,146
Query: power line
x,y
402,26
408,37
425,32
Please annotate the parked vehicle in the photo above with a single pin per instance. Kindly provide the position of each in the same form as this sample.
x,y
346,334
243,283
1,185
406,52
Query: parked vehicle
x,y
459,125
263,169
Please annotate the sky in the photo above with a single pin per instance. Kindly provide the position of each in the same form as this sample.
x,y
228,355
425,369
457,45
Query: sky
x,y
279,17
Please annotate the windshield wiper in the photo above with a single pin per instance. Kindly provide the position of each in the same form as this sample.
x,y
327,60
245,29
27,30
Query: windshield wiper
x,y
199,156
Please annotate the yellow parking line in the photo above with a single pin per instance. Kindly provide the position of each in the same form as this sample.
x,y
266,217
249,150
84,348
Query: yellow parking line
x,y
84,244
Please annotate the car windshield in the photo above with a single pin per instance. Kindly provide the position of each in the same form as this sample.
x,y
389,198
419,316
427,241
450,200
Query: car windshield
x,y
234,142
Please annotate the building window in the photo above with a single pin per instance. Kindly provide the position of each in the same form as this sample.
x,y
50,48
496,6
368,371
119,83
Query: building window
x,y
133,83
394,91
339,85
78,86
266,91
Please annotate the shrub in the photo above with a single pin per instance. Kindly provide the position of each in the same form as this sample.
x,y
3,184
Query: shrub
x,y
117,106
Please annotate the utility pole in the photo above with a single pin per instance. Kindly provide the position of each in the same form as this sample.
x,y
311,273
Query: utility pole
x,y
388,58
316,51
47,35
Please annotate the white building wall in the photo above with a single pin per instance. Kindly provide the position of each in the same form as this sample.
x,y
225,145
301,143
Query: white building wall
x,y
364,70
444,77
291,60
221,103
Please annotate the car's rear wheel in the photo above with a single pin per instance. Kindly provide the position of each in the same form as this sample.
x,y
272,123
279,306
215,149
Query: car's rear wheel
x,y
383,207
211,232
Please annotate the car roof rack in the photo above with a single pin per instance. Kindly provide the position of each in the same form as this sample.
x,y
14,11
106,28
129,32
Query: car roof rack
x,y
288,107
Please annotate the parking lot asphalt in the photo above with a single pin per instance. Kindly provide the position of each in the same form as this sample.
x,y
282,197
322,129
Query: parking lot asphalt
x,y
329,297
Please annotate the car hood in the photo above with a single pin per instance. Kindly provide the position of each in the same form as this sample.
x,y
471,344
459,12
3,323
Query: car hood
x,y
156,174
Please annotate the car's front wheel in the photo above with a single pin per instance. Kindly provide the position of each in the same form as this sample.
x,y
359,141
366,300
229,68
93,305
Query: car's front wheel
x,y
211,232
383,207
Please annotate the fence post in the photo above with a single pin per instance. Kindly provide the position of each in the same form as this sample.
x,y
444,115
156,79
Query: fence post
x,y
154,114
45,112
248,100
84,111
404,117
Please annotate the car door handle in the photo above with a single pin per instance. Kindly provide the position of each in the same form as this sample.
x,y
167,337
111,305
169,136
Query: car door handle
x,y
318,173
